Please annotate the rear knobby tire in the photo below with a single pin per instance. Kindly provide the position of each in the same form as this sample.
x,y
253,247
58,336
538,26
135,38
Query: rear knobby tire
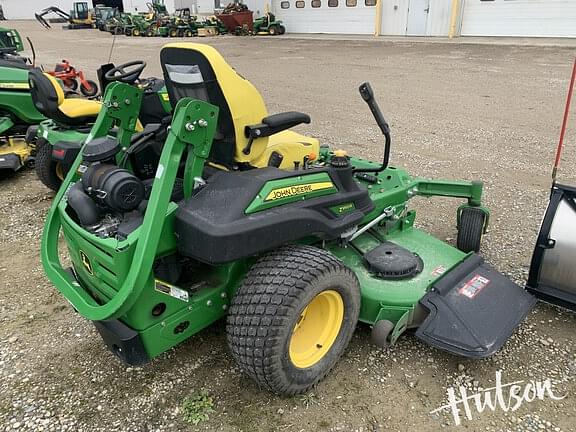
x,y
273,299
471,229
47,168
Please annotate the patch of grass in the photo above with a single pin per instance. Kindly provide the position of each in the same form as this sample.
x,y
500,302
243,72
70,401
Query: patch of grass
x,y
308,399
197,407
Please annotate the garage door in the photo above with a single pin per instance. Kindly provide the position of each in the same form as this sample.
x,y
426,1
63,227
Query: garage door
x,y
327,16
548,18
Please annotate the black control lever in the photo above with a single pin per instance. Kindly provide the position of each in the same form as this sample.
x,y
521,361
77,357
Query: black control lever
x,y
368,95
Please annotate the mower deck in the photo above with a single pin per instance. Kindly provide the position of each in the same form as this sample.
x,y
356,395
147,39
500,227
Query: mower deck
x,y
14,154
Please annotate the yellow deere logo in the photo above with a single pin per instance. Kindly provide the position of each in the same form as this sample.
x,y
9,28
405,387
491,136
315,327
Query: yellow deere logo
x,y
295,190
86,262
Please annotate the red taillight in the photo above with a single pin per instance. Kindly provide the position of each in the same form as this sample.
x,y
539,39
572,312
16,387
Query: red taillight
x,y
58,153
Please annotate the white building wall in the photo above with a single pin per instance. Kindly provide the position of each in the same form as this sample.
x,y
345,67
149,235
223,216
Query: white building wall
x,y
140,5
359,19
394,17
439,18
205,7
545,18
257,6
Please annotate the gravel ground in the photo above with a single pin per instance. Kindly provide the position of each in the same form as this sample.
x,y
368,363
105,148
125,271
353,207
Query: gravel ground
x,y
472,111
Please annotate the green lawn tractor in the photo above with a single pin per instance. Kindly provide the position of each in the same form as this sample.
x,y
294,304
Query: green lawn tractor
x,y
178,28
245,220
58,138
112,24
119,23
268,25
17,112
127,24
10,38
213,22
182,23
158,19
140,25
137,25
159,27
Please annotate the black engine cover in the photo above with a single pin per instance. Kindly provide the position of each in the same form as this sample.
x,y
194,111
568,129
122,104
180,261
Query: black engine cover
x,y
212,227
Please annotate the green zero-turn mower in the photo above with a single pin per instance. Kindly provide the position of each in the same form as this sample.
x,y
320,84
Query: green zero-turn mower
x,y
58,138
293,243
17,112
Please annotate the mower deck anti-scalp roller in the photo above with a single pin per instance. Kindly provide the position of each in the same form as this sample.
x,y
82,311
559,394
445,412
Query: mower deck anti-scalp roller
x,y
247,220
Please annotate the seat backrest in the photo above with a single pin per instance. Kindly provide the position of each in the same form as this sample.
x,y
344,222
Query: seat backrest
x,y
47,94
199,71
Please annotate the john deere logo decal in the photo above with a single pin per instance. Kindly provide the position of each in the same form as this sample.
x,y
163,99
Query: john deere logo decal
x,y
295,190
14,86
86,262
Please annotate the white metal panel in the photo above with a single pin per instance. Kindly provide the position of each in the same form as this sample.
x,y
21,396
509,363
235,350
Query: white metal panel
x,y
205,7
439,18
190,4
141,6
417,17
394,17
359,19
548,18
256,6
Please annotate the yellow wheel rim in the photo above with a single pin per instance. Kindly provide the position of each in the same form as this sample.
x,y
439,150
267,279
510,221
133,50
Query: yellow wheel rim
x,y
316,329
60,171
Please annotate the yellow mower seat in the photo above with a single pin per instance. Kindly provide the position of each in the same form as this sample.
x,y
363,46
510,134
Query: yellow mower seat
x,y
75,108
200,72
48,97
292,146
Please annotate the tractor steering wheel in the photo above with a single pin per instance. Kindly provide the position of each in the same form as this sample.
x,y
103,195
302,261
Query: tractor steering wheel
x,y
127,73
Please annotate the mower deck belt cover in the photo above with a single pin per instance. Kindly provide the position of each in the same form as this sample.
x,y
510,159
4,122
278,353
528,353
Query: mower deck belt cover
x,y
473,310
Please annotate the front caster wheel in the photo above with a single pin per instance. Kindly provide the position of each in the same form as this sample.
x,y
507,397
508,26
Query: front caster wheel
x,y
470,229
293,317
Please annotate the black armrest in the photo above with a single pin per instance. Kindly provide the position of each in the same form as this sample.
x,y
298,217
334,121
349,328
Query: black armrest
x,y
276,123
273,124
286,120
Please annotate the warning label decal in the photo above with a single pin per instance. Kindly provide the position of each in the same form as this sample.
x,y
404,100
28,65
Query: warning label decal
x,y
471,288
